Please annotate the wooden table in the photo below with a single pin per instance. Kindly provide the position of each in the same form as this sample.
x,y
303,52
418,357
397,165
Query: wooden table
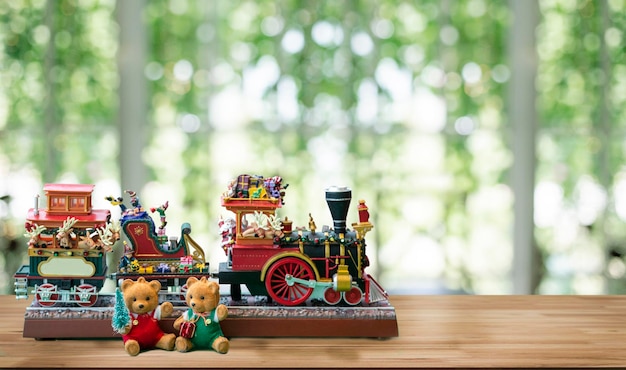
x,y
435,331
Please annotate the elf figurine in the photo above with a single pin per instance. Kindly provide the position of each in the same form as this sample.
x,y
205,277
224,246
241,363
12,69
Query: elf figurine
x,y
161,211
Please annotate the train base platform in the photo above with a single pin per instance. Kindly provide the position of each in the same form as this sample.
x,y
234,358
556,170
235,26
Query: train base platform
x,y
251,316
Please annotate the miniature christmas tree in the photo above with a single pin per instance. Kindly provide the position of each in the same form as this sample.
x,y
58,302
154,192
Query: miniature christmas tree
x,y
121,317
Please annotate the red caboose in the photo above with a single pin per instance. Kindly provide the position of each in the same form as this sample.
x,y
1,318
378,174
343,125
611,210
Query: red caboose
x,y
67,246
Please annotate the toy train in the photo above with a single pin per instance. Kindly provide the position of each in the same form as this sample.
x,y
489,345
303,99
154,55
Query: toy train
x,y
288,265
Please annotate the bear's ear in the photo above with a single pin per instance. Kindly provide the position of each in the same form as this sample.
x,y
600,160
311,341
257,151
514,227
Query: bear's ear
x,y
126,284
214,288
203,279
155,285
192,280
141,280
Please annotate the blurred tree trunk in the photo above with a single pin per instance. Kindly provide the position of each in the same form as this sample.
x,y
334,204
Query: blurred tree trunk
x,y
604,131
133,110
51,116
523,116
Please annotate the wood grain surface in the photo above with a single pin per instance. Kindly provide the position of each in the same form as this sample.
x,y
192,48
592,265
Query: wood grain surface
x,y
435,332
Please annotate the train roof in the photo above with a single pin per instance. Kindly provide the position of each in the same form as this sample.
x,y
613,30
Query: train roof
x,y
68,188
251,203
96,217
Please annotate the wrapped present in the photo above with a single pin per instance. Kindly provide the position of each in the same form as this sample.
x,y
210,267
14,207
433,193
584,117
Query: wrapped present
x,y
274,187
163,268
184,269
187,329
186,260
256,181
246,184
243,186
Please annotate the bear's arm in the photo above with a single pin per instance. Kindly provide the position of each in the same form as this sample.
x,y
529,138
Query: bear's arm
x,y
166,309
178,321
126,329
221,312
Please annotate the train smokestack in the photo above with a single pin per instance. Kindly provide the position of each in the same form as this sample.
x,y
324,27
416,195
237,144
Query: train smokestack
x,y
338,199
36,209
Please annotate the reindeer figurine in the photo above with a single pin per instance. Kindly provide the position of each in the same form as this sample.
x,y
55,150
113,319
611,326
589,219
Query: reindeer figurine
x,y
88,242
258,227
276,227
106,238
116,229
66,233
101,238
32,232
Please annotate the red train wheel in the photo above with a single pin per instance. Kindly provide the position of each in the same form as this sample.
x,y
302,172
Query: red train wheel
x,y
46,294
277,287
331,296
86,295
353,296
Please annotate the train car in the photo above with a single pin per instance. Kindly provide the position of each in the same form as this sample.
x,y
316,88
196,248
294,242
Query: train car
x,y
292,266
154,255
67,244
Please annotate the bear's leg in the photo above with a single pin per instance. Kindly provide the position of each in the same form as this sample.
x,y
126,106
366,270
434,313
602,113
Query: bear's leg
x,y
166,342
132,347
183,344
221,345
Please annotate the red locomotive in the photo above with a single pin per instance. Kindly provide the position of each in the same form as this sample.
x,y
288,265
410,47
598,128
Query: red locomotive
x,y
290,265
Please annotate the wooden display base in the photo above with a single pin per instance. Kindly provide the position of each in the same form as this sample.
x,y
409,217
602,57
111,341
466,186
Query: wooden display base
x,y
254,320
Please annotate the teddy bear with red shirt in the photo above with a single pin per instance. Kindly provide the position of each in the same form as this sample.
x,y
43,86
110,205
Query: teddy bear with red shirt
x,y
143,332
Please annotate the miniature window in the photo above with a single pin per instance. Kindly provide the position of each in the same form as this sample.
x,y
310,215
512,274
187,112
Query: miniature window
x,y
57,202
252,225
256,225
248,224
77,203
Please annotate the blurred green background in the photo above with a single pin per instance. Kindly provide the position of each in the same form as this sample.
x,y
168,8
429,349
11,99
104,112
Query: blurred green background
x,y
487,137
